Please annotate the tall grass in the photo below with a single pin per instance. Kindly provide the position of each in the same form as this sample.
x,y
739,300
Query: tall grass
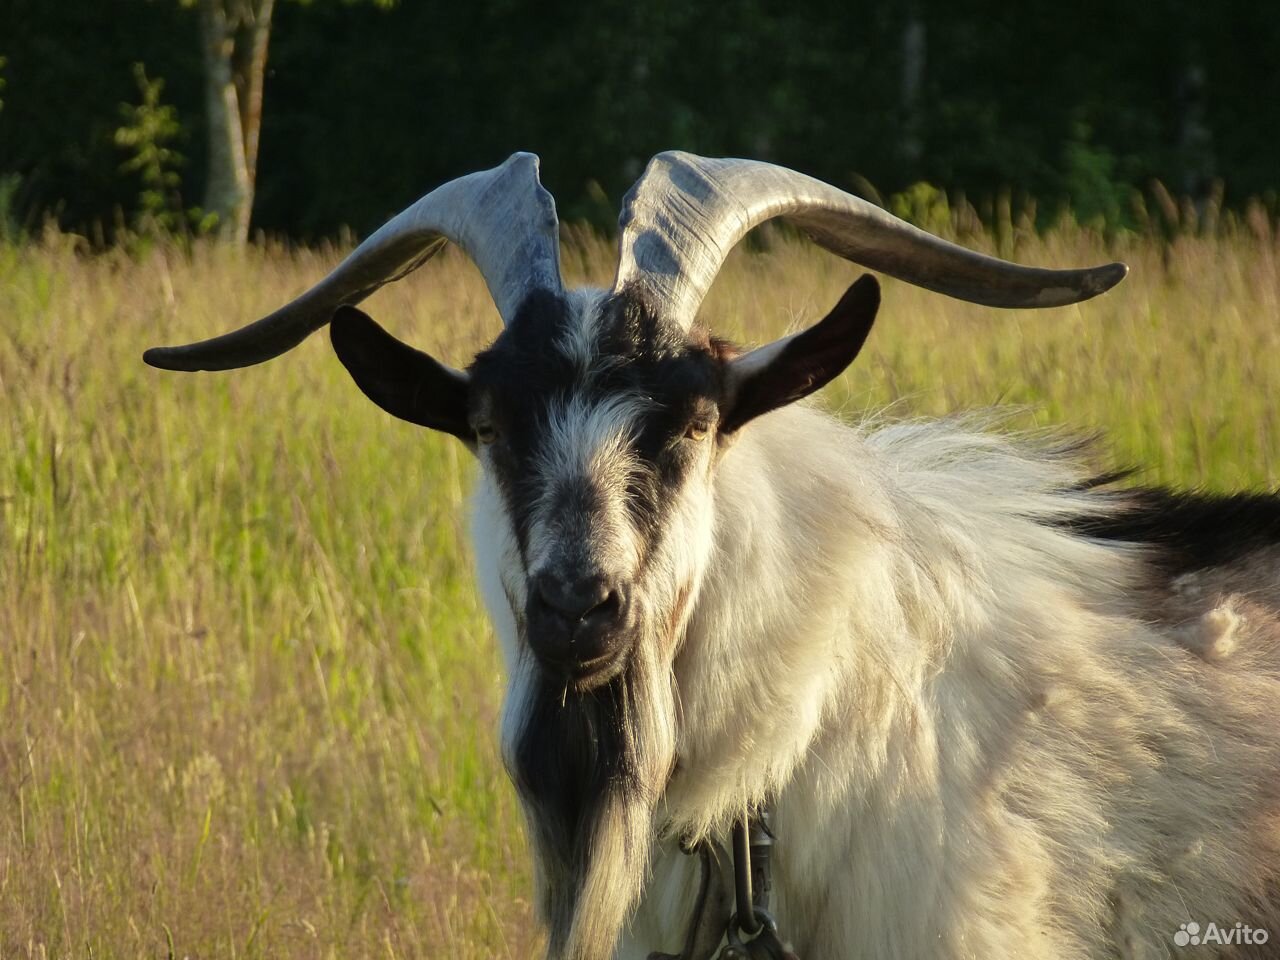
x,y
247,695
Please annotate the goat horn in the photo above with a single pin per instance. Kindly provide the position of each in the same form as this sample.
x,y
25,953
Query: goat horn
x,y
685,213
502,218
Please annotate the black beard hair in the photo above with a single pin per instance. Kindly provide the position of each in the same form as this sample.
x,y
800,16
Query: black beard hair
x,y
576,758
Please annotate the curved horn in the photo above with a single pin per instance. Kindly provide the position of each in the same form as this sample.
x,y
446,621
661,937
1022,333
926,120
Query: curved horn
x,y
502,218
685,213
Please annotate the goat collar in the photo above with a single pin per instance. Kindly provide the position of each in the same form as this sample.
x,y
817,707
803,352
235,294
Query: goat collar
x,y
714,916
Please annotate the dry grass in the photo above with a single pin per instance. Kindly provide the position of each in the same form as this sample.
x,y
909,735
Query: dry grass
x,y
247,695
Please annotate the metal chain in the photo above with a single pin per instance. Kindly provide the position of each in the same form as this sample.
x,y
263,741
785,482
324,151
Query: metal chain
x,y
752,842
752,853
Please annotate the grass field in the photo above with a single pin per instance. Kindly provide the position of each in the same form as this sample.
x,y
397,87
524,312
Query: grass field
x,y
247,696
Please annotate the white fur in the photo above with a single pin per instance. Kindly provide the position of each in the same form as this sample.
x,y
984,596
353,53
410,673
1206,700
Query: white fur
x,y
977,740
978,744
587,443
580,336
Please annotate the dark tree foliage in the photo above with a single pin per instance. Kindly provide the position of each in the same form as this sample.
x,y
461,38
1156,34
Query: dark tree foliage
x,y
366,108
70,67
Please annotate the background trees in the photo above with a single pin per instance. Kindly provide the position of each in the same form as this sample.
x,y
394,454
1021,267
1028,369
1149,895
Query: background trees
x,y
234,39
234,35
365,108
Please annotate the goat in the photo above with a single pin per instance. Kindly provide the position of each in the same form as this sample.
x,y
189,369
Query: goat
x,y
999,708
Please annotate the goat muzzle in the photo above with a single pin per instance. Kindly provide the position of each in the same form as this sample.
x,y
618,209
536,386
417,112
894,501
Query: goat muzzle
x,y
578,626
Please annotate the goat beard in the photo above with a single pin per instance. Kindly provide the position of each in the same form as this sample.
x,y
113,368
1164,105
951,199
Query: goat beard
x,y
590,769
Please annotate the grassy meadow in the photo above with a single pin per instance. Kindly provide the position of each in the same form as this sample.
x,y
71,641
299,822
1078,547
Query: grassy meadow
x,y
248,697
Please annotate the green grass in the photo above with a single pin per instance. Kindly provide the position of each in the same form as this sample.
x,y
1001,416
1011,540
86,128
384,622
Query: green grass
x,y
248,697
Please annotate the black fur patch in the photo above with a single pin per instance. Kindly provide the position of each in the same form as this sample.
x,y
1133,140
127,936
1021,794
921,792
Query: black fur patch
x,y
519,379
1189,531
405,382
572,750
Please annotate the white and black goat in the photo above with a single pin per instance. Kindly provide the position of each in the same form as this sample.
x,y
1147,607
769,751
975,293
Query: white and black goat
x,y
997,709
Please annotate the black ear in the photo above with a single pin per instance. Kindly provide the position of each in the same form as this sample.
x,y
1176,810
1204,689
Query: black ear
x,y
405,382
787,370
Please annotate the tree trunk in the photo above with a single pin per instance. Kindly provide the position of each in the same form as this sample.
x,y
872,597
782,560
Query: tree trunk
x,y
1195,136
914,40
250,77
234,47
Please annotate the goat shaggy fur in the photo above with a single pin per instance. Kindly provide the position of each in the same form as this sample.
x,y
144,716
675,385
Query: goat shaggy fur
x,y
984,734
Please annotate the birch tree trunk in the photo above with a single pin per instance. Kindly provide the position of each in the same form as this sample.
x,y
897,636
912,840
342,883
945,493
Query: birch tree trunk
x,y
914,47
250,79
234,36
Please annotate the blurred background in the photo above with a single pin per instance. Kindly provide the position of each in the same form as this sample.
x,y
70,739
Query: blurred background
x,y
320,114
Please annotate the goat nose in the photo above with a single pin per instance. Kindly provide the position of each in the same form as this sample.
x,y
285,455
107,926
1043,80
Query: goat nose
x,y
577,599
577,626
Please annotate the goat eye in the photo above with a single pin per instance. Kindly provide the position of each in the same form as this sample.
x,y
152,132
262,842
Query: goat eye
x,y
697,430
486,432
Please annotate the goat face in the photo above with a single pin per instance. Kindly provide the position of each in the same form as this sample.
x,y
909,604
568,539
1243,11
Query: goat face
x,y
598,425
594,427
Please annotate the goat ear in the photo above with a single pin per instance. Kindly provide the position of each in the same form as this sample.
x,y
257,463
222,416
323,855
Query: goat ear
x,y
794,367
405,382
